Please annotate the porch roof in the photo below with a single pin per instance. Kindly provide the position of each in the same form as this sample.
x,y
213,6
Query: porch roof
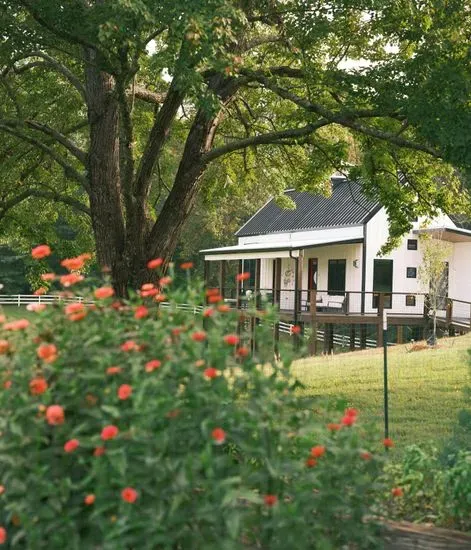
x,y
280,249
451,234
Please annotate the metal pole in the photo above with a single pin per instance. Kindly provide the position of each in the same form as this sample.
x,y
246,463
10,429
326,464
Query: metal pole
x,y
385,348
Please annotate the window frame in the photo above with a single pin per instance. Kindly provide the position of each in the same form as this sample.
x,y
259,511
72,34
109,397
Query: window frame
x,y
331,291
411,272
412,244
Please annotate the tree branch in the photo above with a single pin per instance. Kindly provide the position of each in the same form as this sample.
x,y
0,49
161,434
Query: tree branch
x,y
57,136
48,195
48,60
142,93
264,139
68,168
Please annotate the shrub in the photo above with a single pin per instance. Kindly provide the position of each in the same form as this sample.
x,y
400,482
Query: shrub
x,y
433,492
160,430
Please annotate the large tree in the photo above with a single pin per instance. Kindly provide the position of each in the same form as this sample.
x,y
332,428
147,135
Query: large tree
x,y
118,109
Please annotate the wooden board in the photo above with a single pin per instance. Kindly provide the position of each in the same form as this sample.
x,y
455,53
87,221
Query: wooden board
x,y
410,536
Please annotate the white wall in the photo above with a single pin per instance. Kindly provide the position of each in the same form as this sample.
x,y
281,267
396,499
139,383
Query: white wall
x,y
460,278
334,233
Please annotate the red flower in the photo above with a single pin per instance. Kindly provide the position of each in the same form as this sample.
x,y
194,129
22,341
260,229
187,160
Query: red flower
x,y
47,352
71,445
164,281
311,462
78,316
351,412
160,297
187,265
99,451
124,391
242,351
243,276
295,329
89,499
3,535
388,442
214,298
333,427
348,420
70,279
212,292
366,455
7,384
223,308
149,292
129,345
74,308
129,495
37,386
147,286
40,291
397,492
208,312
4,346
210,373
2,489
103,292
41,251
141,312
113,370
36,307
155,263
21,324
152,365
73,264
109,432
231,339
270,500
55,415
218,435
47,277
318,451
199,336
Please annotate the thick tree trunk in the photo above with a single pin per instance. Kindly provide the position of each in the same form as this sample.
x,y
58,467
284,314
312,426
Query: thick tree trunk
x,y
103,173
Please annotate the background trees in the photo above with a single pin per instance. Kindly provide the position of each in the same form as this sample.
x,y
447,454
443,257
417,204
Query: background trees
x,y
125,112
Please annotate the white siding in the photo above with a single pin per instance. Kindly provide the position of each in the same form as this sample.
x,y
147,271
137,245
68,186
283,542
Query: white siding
x,y
332,233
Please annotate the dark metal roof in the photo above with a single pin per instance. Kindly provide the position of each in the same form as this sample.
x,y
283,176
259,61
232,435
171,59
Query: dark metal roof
x,y
346,206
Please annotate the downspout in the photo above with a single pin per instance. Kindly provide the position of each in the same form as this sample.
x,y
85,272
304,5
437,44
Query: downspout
x,y
363,270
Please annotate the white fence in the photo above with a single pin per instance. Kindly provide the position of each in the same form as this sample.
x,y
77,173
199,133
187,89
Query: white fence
x,y
25,299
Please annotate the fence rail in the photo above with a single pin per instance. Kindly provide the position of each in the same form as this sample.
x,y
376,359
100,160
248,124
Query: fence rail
x,y
26,299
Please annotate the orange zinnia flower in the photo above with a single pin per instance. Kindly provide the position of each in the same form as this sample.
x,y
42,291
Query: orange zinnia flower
x,y
124,391
388,442
270,500
155,263
231,339
218,435
187,265
47,277
113,370
71,445
199,336
89,499
4,346
152,365
73,264
41,251
55,415
3,535
397,492
109,432
210,373
129,494
47,352
141,312
318,451
103,292
21,324
70,279
37,386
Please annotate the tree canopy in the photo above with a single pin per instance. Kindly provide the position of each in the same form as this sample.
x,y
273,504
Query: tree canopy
x,y
119,114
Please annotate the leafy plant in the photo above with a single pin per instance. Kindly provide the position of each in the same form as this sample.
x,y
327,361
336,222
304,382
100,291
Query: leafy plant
x,y
145,424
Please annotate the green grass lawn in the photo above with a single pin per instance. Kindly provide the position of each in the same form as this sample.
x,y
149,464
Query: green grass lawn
x,y
425,386
15,312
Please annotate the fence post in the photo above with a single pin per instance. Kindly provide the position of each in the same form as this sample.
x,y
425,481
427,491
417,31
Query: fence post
x,y
347,303
19,300
352,337
39,299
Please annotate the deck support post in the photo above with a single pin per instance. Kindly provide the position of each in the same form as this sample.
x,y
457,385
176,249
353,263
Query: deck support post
x,y
238,285
352,337
313,310
276,302
257,298
222,277
379,321
331,338
298,283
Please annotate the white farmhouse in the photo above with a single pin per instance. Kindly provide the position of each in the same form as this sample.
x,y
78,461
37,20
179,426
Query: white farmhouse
x,y
331,245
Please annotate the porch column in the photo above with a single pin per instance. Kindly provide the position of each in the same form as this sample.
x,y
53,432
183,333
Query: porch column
x,y
379,324
276,301
206,272
298,285
254,319
222,277
238,284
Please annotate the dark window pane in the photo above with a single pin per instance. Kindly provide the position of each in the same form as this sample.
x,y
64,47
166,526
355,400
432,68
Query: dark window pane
x,y
411,244
411,272
410,300
336,277
382,276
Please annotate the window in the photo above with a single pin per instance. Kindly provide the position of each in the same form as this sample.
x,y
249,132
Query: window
x,y
411,272
249,266
383,282
410,300
411,244
336,277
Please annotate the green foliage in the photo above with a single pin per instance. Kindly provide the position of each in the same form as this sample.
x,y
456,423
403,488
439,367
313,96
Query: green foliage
x,y
193,491
433,492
